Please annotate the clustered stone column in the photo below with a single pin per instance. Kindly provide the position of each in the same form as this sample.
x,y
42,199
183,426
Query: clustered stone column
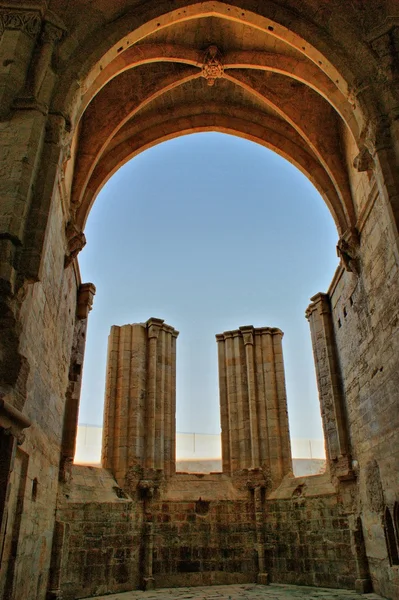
x,y
253,403
140,402
330,386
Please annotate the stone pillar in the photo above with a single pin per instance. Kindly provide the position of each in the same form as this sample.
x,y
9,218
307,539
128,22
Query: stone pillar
x,y
140,403
85,298
253,403
330,386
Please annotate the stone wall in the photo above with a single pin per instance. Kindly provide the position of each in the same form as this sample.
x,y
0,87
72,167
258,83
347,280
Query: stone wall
x,y
308,538
199,530
329,105
367,337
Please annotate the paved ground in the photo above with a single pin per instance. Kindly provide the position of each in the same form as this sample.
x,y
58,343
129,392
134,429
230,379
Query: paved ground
x,y
243,592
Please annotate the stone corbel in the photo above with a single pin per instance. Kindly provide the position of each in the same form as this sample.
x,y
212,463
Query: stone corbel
x,y
76,241
13,421
363,161
347,250
86,295
377,135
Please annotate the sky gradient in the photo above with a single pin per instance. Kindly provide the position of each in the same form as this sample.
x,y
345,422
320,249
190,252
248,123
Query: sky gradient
x,y
209,232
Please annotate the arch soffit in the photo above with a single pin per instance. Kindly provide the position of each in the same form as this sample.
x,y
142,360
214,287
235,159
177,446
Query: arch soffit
x,y
318,74
90,56
273,136
93,145
303,71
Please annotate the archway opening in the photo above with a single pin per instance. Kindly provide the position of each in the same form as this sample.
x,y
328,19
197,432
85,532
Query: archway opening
x,y
245,238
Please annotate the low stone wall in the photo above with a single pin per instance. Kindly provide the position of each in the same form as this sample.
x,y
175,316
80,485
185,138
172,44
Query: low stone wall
x,y
199,530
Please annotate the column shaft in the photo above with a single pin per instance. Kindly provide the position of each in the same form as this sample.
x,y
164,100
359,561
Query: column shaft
x,y
232,402
224,408
151,403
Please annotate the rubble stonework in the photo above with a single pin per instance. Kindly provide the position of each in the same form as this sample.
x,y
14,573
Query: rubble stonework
x,y
316,82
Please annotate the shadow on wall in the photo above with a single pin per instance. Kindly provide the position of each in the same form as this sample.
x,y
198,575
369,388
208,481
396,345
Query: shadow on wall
x,y
201,452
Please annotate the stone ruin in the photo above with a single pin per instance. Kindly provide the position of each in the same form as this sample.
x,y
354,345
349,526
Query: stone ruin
x,y
86,86
137,520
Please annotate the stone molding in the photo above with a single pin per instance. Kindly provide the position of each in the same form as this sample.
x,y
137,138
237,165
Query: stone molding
x,y
248,330
27,21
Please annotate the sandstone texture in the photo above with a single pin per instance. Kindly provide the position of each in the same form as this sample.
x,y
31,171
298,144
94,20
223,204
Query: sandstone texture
x,y
86,86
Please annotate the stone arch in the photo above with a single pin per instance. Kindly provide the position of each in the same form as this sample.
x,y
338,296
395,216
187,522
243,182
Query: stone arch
x,y
103,44
316,74
58,62
124,150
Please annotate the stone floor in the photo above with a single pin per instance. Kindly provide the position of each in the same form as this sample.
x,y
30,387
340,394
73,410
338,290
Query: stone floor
x,y
243,592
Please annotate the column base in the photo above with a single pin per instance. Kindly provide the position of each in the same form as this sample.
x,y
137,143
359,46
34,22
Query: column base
x,y
363,586
149,583
262,578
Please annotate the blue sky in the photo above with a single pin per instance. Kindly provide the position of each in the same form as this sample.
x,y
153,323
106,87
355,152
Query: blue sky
x,y
209,232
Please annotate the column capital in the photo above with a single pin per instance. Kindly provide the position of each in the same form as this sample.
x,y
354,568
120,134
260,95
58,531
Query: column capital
x,y
154,326
247,332
51,33
86,295
27,21
169,329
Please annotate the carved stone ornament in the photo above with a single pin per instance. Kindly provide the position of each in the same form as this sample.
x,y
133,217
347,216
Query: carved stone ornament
x,y
76,242
212,68
347,250
363,161
86,295
51,34
27,21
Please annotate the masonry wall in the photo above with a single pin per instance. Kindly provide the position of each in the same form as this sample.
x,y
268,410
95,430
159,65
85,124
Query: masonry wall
x,y
48,316
310,543
200,530
367,337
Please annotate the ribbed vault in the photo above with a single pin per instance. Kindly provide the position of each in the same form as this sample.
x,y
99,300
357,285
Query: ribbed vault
x,y
273,88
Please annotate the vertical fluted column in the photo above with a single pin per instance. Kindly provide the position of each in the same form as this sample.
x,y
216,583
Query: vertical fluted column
x,y
264,455
153,326
329,384
161,402
282,412
174,335
140,406
232,401
248,336
169,414
244,458
224,405
253,403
